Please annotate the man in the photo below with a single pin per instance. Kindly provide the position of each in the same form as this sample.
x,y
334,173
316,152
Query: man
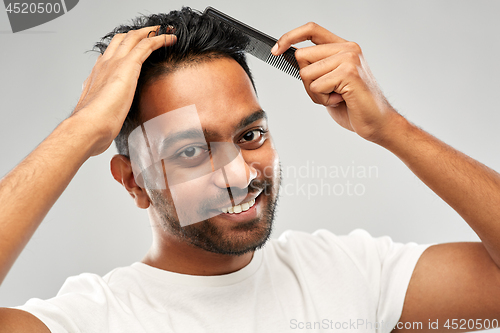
x,y
214,273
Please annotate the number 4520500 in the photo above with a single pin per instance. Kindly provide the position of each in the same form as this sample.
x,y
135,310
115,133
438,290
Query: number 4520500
x,y
471,324
33,8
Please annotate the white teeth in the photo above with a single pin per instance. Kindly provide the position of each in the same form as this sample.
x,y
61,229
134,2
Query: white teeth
x,y
239,208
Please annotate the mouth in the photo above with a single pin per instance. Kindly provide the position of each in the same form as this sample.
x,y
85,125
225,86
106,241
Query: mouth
x,y
243,212
243,207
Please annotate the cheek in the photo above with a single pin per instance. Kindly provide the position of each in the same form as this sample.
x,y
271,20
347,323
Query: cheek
x,y
189,199
264,160
191,192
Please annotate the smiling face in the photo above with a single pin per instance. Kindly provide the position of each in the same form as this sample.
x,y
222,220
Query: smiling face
x,y
219,164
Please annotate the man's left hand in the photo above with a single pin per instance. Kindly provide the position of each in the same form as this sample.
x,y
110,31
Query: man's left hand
x,y
336,75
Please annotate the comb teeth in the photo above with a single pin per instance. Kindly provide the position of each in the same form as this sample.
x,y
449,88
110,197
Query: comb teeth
x,y
260,45
285,62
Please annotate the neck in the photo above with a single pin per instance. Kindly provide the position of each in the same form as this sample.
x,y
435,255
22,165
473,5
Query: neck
x,y
181,257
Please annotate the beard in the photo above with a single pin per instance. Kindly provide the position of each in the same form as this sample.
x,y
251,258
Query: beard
x,y
207,235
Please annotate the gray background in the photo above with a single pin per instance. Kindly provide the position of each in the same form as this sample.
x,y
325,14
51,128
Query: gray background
x,y
436,61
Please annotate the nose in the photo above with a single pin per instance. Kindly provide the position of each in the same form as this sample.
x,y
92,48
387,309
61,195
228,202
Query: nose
x,y
234,173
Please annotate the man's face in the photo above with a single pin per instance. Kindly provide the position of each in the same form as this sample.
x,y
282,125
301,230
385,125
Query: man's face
x,y
227,111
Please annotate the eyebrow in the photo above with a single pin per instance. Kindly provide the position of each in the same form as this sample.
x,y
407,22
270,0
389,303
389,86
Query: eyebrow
x,y
257,115
206,134
193,133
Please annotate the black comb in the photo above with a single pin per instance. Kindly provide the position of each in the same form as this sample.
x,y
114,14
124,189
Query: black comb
x,y
261,44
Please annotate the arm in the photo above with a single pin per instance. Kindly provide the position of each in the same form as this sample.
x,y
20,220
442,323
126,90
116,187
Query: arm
x,y
454,281
28,192
450,281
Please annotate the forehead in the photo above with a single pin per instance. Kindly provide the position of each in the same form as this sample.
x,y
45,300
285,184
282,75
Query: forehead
x,y
219,88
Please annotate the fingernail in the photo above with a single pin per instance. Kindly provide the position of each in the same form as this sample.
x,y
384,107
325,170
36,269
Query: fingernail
x,y
170,30
274,49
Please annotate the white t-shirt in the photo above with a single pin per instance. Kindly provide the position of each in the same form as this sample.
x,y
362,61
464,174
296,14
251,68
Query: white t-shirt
x,y
299,282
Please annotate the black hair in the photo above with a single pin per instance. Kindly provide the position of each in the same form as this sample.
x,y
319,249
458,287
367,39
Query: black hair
x,y
199,38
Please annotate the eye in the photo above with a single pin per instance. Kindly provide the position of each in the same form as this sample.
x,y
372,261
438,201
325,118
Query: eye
x,y
253,135
192,152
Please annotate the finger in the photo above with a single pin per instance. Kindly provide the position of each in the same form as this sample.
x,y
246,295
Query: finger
x,y
330,88
310,31
86,84
328,64
314,75
132,38
312,54
113,45
118,38
138,55
147,45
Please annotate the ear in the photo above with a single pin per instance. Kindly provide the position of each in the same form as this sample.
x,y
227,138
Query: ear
x,y
121,169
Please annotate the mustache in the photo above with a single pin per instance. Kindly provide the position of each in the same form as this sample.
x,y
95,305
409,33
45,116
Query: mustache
x,y
255,186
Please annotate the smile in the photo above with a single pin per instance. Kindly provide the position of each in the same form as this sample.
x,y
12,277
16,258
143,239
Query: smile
x,y
239,208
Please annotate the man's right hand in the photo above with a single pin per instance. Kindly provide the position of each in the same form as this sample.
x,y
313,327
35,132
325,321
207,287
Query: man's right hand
x,y
29,191
109,90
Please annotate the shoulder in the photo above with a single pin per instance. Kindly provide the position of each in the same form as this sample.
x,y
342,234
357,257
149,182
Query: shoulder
x,y
15,320
90,283
357,250
83,299
356,242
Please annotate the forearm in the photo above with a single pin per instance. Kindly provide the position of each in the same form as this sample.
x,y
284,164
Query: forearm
x,y
469,187
29,191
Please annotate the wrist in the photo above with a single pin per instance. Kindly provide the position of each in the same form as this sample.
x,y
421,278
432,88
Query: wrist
x,y
86,134
394,131
78,136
